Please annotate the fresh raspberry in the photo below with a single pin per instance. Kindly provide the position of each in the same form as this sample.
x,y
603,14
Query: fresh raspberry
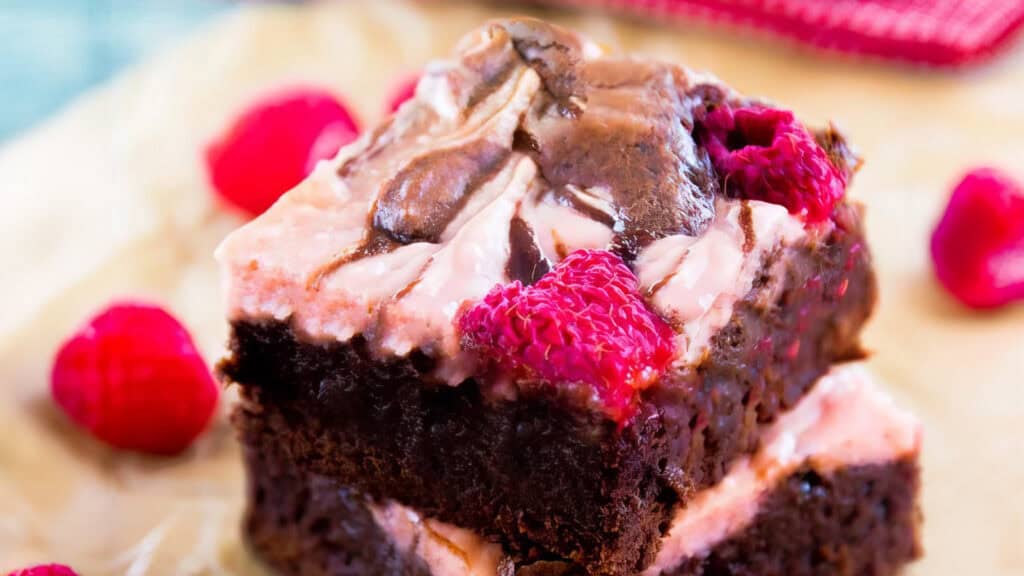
x,y
45,570
582,322
766,154
404,90
978,245
133,378
275,143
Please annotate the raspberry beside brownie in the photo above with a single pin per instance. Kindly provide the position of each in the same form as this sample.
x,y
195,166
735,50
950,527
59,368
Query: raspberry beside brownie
x,y
553,300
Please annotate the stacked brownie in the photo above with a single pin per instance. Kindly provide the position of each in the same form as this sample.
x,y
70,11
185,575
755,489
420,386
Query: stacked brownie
x,y
568,313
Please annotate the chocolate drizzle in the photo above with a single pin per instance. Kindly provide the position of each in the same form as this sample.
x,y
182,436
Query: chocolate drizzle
x,y
526,263
378,139
621,125
611,138
491,68
423,198
746,221
373,244
571,197
556,55
657,286
561,250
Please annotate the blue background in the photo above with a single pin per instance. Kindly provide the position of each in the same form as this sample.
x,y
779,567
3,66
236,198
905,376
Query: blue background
x,y
51,50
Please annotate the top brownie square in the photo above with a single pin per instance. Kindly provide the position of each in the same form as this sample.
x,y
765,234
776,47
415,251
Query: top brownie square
x,y
552,297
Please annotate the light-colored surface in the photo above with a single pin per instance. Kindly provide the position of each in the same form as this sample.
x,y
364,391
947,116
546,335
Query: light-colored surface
x,y
108,198
845,420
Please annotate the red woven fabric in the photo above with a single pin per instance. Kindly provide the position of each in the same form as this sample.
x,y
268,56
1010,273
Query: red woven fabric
x,y
934,32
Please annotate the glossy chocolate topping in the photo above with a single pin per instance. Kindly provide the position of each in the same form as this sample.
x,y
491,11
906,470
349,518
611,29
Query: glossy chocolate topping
x,y
616,127
425,196
526,263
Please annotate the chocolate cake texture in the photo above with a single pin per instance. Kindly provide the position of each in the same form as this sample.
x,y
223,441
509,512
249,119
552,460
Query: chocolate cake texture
x,y
861,520
461,456
360,392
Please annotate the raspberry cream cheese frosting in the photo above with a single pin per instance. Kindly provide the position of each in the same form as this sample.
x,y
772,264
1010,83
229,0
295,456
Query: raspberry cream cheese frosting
x,y
528,146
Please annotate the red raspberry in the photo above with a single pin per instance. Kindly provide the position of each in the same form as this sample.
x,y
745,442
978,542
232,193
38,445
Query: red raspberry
x,y
978,245
133,378
404,90
765,154
45,570
583,322
275,143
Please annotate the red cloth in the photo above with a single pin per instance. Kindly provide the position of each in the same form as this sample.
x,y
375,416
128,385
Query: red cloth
x,y
934,32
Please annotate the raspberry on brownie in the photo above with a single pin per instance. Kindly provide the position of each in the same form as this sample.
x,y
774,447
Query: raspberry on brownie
x,y
552,312
584,323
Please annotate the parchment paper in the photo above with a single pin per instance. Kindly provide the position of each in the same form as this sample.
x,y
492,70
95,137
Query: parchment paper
x,y
109,199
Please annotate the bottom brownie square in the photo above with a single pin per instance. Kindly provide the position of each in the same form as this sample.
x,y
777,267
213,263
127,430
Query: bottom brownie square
x,y
831,491
861,520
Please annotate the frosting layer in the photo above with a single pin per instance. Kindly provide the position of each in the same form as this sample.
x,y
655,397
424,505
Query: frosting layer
x,y
845,420
529,145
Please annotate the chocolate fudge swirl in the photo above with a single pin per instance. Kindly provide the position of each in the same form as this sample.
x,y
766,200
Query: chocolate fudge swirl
x,y
619,128
423,198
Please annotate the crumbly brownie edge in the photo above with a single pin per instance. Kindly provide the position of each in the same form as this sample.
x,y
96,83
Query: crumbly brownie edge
x,y
470,460
860,520
307,525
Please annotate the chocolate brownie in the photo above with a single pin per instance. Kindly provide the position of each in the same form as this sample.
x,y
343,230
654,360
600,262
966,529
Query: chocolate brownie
x,y
863,520
310,525
473,461
860,521
706,266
